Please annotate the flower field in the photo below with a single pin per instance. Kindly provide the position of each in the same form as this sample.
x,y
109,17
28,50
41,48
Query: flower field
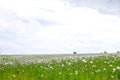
x,y
102,67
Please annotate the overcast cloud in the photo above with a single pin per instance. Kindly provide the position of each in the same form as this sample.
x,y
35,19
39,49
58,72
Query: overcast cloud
x,y
103,6
56,26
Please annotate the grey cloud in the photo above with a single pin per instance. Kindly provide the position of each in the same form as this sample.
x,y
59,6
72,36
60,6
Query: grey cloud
x,y
23,20
46,22
103,6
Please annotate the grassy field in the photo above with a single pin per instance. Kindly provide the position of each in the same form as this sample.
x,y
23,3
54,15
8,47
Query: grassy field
x,y
60,67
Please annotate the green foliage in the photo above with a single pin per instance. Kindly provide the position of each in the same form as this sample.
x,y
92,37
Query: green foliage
x,y
78,68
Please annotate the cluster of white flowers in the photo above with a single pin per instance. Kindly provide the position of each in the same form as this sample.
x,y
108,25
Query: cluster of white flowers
x,y
118,67
84,60
8,63
95,67
97,70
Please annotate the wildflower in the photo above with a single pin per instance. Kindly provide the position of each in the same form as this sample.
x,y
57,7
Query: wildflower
x,y
60,73
84,61
91,62
63,65
76,72
94,66
114,69
110,65
69,63
112,76
14,75
108,62
104,69
118,68
42,75
105,62
51,67
98,70
6,63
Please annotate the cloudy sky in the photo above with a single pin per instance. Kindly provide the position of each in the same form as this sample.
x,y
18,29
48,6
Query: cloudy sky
x,y
59,26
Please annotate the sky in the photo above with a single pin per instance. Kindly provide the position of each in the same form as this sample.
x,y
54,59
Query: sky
x,y
59,26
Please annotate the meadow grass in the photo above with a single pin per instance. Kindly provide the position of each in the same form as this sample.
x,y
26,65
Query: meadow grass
x,y
105,67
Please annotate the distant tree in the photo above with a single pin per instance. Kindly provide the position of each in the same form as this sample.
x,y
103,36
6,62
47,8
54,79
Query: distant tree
x,y
105,52
74,52
118,52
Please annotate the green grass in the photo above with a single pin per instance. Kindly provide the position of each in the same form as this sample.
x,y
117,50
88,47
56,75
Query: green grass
x,y
105,67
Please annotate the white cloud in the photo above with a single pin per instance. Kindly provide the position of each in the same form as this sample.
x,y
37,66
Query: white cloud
x,y
3,25
103,6
52,27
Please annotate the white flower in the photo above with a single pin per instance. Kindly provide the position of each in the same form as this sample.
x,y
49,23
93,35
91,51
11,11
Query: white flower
x,y
98,70
94,66
14,75
84,61
104,69
76,72
6,63
110,65
105,62
112,76
108,62
69,63
118,68
63,65
51,67
60,73
91,62
42,75
114,69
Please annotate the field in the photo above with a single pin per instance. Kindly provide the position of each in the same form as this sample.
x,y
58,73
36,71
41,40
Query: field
x,y
60,67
